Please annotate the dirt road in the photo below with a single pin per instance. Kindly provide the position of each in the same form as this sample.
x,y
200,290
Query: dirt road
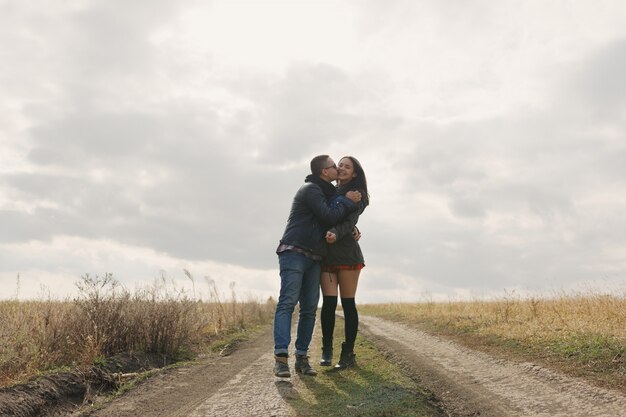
x,y
468,383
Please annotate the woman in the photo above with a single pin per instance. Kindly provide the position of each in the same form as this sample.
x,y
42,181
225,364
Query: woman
x,y
341,268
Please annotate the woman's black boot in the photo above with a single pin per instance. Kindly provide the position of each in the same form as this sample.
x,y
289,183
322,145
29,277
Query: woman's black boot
x,y
327,352
347,358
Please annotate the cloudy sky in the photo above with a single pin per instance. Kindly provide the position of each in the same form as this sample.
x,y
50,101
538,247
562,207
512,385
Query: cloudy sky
x,y
147,137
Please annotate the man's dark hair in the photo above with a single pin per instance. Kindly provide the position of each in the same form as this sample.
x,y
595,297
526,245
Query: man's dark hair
x,y
318,164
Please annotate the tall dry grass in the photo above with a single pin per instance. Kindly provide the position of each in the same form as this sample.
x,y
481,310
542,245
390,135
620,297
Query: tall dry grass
x,y
522,318
106,319
585,333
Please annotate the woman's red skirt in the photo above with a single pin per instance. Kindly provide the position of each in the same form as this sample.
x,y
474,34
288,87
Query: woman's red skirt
x,y
333,269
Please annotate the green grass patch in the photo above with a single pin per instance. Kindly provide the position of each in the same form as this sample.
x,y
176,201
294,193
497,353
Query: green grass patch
x,y
590,355
590,347
231,339
375,387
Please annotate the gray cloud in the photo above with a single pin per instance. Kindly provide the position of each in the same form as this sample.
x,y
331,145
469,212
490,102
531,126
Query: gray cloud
x,y
199,183
600,87
308,110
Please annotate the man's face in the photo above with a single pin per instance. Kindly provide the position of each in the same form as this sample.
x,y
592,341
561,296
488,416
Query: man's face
x,y
330,170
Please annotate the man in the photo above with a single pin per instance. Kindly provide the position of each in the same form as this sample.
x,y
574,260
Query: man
x,y
299,254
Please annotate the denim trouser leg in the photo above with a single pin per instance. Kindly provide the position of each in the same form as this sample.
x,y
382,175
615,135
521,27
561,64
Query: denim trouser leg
x,y
298,276
309,297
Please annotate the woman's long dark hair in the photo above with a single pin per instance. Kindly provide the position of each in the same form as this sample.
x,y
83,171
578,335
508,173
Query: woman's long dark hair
x,y
357,183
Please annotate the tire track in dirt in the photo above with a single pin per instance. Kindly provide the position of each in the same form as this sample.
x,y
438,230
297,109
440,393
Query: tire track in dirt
x,y
471,383
255,391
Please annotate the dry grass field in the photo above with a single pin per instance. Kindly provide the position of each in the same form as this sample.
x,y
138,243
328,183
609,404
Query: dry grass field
x,y
105,319
581,334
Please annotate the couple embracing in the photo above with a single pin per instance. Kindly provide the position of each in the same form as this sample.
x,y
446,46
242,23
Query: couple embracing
x,y
319,247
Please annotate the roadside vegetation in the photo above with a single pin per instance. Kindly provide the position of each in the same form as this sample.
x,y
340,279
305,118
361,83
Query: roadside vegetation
x,y
581,334
106,319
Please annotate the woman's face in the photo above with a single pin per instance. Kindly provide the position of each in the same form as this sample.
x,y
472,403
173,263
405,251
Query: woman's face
x,y
345,170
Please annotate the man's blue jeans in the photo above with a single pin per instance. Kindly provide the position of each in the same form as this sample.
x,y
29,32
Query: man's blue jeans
x,y
299,282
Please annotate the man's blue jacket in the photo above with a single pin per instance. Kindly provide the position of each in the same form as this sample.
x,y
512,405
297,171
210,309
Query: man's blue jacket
x,y
310,216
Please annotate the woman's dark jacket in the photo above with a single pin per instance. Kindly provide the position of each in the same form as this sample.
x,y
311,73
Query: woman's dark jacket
x,y
346,250
311,216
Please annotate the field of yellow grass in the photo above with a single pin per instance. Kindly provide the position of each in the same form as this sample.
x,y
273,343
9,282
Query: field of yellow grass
x,y
39,336
581,334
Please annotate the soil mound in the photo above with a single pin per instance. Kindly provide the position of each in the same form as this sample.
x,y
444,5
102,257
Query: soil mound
x,y
58,393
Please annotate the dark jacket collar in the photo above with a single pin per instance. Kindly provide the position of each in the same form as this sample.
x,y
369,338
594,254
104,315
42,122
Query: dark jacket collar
x,y
328,189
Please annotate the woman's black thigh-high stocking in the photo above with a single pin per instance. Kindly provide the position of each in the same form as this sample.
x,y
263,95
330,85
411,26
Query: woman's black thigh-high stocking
x,y
328,321
351,317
